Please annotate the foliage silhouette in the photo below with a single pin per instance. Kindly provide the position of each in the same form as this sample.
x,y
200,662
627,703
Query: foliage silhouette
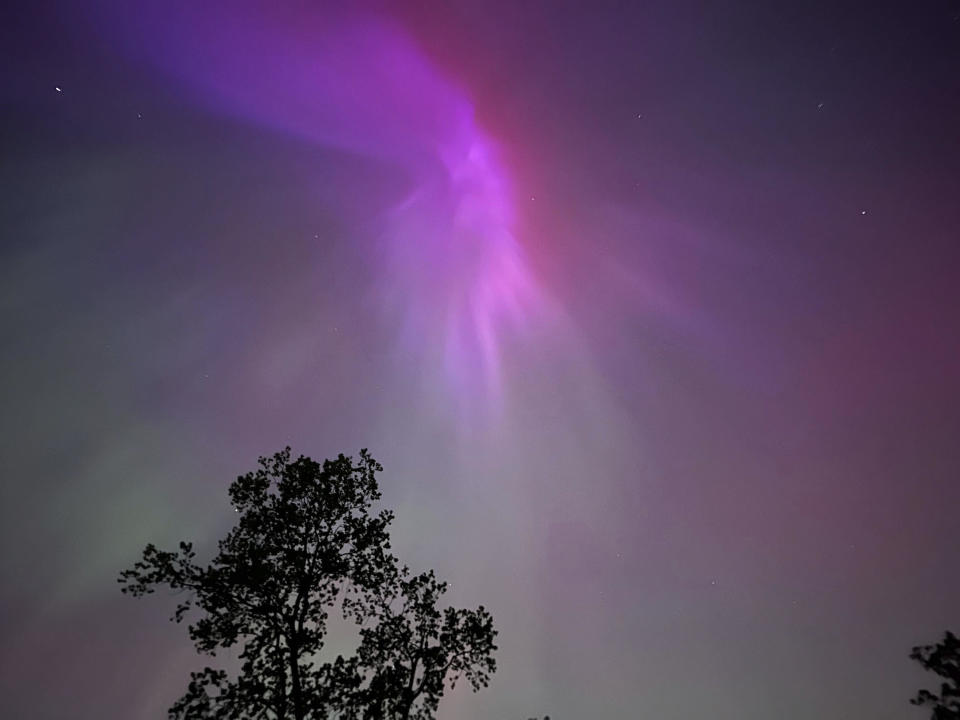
x,y
307,542
944,660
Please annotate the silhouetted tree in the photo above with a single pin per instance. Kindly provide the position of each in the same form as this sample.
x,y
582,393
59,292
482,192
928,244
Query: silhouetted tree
x,y
307,543
944,660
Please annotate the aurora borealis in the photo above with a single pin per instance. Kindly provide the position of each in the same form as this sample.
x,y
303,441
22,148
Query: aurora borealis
x,y
648,310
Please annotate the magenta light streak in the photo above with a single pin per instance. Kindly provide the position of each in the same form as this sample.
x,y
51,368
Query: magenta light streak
x,y
460,270
454,272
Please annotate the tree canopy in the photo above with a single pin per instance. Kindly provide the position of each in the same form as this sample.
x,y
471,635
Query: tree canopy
x,y
308,543
943,659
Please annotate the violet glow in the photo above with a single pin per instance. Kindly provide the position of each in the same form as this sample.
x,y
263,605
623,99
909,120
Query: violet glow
x,y
454,273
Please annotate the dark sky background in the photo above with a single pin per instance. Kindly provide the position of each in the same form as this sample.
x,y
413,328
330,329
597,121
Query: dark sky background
x,y
649,309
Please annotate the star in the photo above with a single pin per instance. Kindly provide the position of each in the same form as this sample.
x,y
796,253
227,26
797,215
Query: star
x,y
58,89
819,106
863,212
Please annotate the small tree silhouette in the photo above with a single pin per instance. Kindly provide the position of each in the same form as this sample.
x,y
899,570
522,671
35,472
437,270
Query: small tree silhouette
x,y
307,543
944,660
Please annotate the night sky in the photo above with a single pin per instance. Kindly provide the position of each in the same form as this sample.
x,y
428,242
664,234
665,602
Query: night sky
x,y
651,311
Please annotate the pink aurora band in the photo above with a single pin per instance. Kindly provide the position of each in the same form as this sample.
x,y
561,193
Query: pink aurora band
x,y
455,278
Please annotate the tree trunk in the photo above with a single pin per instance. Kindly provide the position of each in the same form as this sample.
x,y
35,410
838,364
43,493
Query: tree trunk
x,y
296,691
408,696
